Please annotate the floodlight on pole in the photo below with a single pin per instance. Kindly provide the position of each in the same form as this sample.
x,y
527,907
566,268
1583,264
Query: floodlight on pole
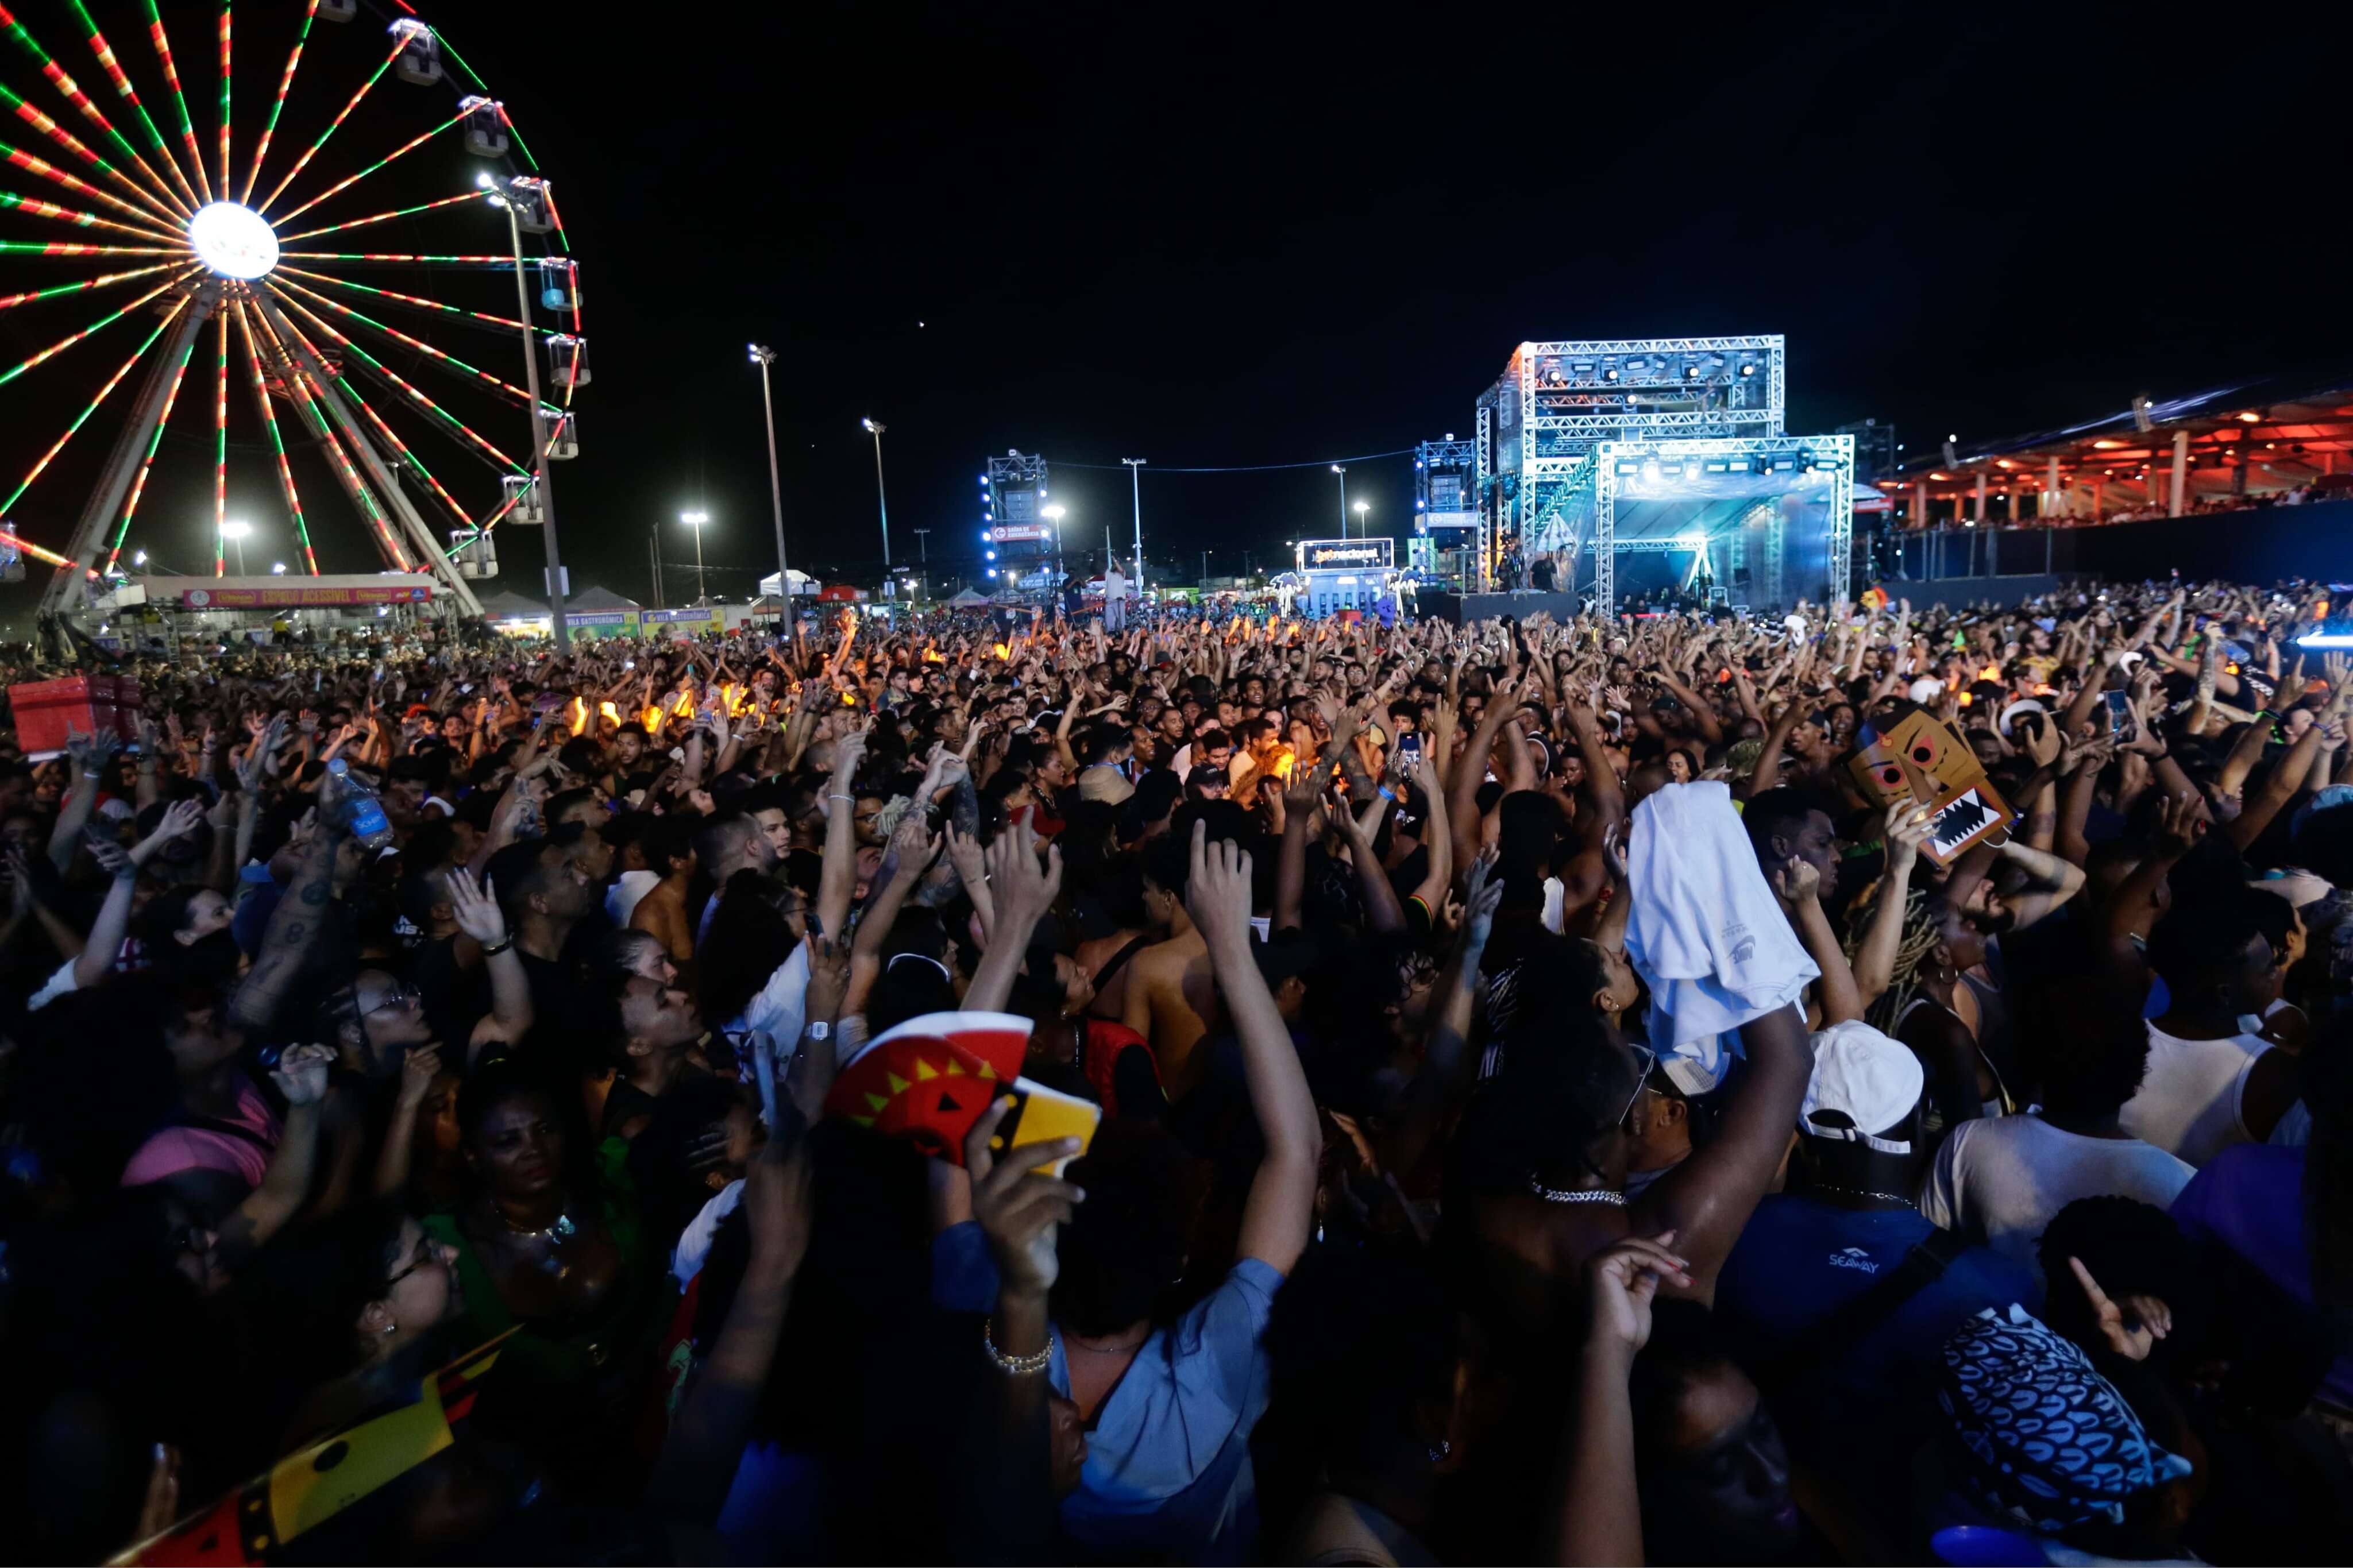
x,y
882,503
501,194
695,520
236,532
1344,499
765,357
1136,495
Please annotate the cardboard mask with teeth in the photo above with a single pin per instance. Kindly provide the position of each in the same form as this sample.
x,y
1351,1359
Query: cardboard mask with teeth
x,y
1921,758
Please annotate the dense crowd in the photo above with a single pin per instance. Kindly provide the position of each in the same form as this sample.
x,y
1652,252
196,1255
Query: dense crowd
x,y
1858,1086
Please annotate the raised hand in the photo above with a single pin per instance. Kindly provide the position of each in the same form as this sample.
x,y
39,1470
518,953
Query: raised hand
x,y
89,753
2130,1327
180,818
417,1070
2181,822
1023,889
1908,826
476,909
1018,1207
1797,879
1218,889
1482,895
301,1074
1621,1282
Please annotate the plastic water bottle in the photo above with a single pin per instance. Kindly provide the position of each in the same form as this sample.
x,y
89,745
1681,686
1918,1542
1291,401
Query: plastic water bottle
x,y
369,825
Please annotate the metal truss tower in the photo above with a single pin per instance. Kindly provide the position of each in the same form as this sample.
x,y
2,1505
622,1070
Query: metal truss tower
x,y
1556,400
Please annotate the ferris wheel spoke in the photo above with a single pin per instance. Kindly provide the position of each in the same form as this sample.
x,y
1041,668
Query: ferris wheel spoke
x,y
9,504
220,447
401,449
226,181
76,247
147,461
416,302
378,367
148,207
104,53
72,338
8,302
277,442
163,42
278,104
334,125
36,207
65,84
394,258
33,163
449,361
411,145
307,397
381,217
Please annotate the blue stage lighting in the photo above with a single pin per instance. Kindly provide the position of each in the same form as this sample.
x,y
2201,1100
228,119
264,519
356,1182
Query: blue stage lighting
x,y
1625,466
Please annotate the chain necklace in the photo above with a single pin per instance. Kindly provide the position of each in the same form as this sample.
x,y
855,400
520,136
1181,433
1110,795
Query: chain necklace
x,y
1576,1194
557,1234
1866,1193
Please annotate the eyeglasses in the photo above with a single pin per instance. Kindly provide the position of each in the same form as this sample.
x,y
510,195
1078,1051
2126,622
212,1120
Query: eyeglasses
x,y
396,997
426,1258
1649,1058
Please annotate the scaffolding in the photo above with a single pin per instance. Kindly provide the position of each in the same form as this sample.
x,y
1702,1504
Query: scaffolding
x,y
1445,539
1775,511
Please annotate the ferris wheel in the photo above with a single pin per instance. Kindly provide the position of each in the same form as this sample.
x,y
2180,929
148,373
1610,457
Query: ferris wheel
x,y
309,293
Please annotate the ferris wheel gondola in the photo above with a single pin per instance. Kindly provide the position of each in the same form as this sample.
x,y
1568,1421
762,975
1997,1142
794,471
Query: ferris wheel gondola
x,y
236,256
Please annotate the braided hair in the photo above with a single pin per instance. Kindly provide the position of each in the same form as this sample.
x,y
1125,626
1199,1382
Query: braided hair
x,y
1912,950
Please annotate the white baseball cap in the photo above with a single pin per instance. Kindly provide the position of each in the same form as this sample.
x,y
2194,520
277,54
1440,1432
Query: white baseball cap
x,y
1925,689
1874,1082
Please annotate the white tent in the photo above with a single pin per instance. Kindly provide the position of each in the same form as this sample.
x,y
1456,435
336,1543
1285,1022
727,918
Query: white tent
x,y
968,600
803,585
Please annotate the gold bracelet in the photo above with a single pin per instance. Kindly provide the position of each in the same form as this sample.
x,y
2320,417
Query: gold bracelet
x,y
1016,1365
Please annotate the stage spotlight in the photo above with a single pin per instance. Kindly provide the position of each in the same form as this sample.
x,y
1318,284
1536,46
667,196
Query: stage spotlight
x,y
1610,373
1718,466
1690,371
1749,369
1673,470
1628,467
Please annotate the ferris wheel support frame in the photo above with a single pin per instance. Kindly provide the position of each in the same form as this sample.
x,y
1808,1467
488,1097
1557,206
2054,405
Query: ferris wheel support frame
x,y
67,589
328,395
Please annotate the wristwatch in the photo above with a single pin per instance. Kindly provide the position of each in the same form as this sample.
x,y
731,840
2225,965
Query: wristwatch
x,y
818,1030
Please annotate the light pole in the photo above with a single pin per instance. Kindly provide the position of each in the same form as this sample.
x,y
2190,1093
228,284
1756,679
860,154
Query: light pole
x,y
1362,508
1136,495
236,532
923,558
1344,499
882,503
500,192
695,520
765,357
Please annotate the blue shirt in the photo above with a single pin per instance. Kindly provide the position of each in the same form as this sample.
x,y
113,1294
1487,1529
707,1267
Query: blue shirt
x,y
1169,1467
1168,1460
1800,1259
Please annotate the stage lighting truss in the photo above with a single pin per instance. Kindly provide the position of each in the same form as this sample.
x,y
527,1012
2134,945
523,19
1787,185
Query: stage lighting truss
x,y
1575,394
1578,509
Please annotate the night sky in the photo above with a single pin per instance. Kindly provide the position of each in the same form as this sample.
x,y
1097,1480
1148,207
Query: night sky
x,y
1255,237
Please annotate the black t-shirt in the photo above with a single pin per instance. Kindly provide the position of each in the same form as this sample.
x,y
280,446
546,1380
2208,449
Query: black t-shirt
x,y
456,998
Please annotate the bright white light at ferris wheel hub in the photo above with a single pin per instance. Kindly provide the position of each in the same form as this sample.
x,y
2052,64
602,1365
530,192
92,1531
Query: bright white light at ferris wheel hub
x,y
234,241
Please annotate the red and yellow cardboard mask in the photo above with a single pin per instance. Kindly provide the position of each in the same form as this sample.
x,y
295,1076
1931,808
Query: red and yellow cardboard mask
x,y
1921,758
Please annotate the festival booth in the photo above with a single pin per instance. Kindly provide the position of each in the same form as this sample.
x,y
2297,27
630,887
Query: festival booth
x,y
2276,440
